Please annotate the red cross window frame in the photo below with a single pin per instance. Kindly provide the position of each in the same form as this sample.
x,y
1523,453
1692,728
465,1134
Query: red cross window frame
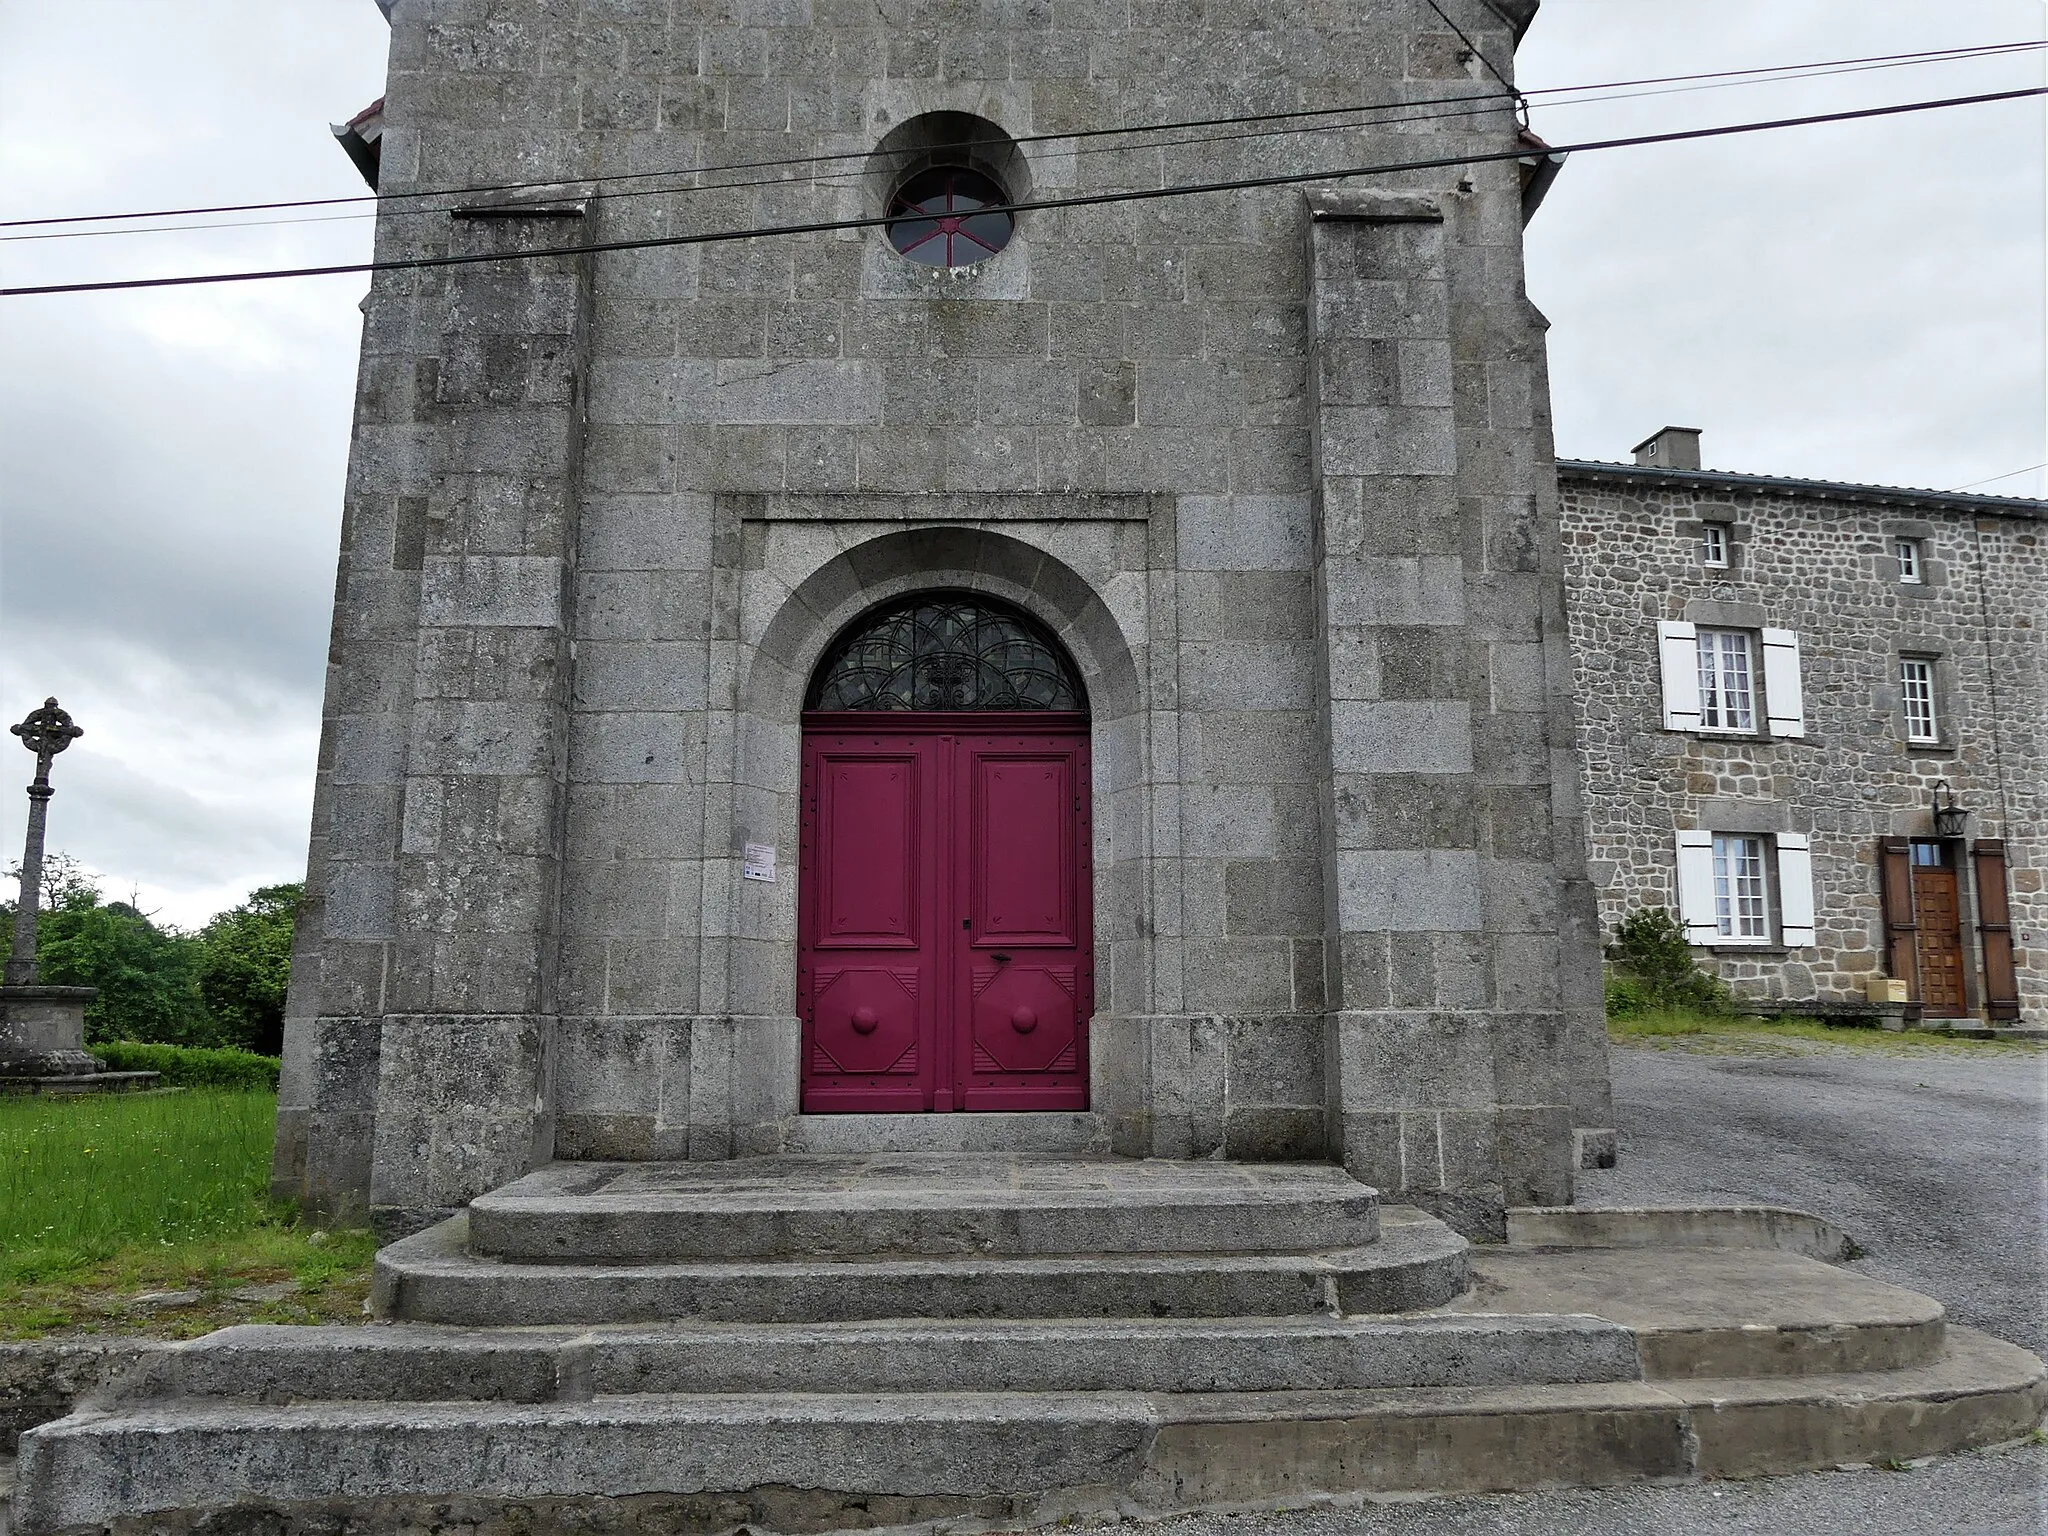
x,y
949,216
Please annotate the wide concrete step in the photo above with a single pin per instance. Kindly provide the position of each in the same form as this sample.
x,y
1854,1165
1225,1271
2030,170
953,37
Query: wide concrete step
x,y
1705,1312
819,1462
918,1204
433,1277
409,1362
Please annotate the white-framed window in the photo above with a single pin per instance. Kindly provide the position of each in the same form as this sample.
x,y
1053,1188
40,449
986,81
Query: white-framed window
x,y
1737,680
1726,894
1714,546
1912,569
1916,687
1727,680
1742,896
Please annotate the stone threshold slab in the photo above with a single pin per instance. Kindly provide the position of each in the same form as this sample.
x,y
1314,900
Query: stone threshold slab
x,y
918,1204
820,1463
1038,1131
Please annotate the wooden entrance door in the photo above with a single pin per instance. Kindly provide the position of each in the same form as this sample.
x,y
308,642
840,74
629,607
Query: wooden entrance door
x,y
945,956
1938,913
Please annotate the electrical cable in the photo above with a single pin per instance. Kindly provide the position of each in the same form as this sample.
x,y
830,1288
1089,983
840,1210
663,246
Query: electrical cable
x,y
1489,103
1986,50
1481,104
1096,199
2011,474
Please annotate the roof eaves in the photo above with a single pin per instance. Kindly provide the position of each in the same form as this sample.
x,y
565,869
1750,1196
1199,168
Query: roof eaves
x,y
1821,490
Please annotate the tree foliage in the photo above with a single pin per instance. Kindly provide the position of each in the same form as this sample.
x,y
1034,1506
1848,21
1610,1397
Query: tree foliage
x,y
222,986
246,965
1652,967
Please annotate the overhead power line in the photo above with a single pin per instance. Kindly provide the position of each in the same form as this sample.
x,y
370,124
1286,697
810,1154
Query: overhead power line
x,y
1763,74
1479,54
2011,474
1447,107
1085,200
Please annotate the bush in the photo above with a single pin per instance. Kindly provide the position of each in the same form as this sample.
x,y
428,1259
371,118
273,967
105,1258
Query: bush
x,y
1627,998
1652,969
186,1066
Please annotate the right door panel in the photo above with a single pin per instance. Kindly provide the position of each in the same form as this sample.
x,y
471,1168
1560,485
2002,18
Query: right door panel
x,y
1027,950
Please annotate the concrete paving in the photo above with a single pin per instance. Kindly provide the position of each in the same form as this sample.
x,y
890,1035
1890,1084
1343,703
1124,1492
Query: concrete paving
x,y
1727,1312
1974,1493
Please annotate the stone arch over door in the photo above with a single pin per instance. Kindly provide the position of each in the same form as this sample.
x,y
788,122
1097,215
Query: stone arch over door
x,y
776,670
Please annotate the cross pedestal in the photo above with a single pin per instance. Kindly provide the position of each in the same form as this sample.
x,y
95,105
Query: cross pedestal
x,y
42,1029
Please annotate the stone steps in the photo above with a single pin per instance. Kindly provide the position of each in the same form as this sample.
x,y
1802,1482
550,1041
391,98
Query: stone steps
x,y
820,1462
857,1207
818,1343
434,1277
415,1363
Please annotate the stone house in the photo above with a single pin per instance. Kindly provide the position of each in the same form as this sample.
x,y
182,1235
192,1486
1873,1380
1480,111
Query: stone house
x,y
1093,676
1780,686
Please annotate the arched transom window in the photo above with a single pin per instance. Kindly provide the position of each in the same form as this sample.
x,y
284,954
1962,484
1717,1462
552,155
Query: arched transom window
x,y
943,651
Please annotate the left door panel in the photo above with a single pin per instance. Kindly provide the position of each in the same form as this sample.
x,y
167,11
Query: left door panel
x,y
867,976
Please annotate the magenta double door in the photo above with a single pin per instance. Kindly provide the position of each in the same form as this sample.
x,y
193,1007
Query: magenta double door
x,y
945,955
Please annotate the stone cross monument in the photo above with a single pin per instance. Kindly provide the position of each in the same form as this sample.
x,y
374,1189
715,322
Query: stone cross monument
x,y
42,1029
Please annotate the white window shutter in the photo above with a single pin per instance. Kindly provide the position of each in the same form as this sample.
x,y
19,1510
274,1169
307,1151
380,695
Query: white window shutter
x,y
1696,886
1782,695
1795,889
1678,653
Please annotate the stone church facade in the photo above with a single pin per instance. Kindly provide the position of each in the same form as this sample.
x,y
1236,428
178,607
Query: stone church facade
x,y
1893,650
1265,474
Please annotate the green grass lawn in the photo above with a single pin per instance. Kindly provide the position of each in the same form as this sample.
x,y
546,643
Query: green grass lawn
x,y
149,1213
1739,1032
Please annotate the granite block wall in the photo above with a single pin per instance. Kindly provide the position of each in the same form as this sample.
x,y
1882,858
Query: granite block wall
x,y
607,512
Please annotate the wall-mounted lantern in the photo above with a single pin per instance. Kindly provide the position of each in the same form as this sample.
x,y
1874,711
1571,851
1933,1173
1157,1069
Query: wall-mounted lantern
x,y
1948,816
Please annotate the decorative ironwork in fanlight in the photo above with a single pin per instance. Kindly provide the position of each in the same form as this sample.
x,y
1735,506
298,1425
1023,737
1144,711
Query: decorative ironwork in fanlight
x,y
946,651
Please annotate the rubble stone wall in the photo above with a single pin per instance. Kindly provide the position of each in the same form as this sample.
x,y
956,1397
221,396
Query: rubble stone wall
x,y
1819,563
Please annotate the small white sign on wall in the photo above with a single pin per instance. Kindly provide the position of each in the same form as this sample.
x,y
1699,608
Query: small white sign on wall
x,y
758,862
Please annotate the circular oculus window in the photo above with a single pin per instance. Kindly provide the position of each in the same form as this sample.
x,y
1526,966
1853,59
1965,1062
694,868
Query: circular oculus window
x,y
949,216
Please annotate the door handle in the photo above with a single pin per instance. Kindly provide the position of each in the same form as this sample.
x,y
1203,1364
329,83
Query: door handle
x,y
1000,959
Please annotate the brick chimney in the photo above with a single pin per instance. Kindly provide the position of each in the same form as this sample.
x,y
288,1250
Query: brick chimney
x,y
1672,448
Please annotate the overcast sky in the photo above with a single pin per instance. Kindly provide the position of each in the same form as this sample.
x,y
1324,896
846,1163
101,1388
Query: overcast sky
x,y
1862,303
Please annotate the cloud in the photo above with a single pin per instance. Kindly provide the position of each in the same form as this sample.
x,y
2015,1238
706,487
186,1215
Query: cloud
x,y
171,463
1860,301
